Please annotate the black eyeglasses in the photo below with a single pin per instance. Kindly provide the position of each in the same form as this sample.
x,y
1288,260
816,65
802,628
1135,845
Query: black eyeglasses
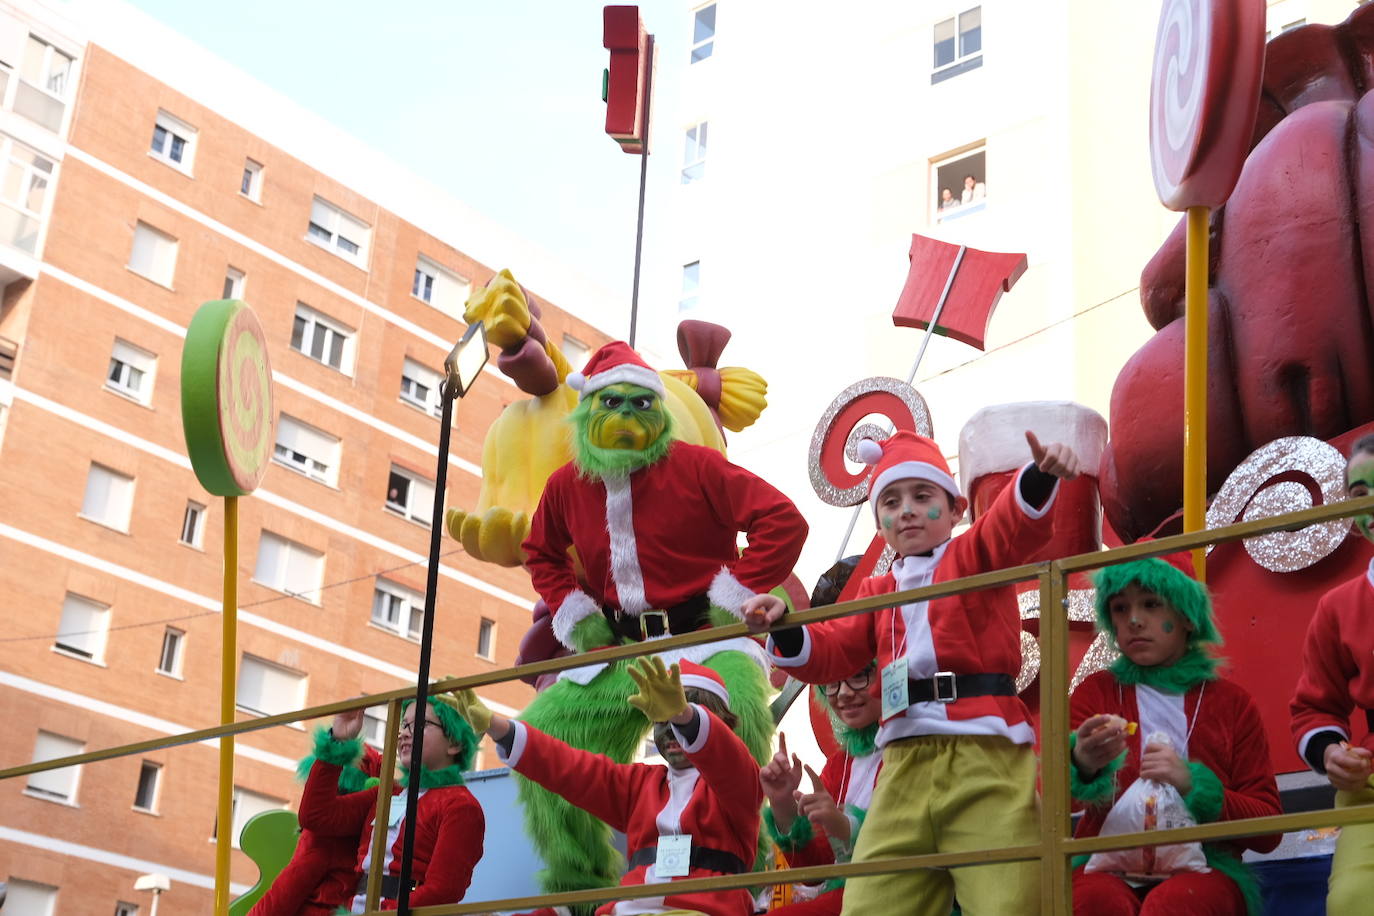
x,y
408,727
856,683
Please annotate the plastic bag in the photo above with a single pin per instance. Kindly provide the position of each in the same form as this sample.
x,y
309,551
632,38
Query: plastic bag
x,y
1149,805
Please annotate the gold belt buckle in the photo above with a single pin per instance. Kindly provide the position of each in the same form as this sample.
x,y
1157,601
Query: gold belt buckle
x,y
662,626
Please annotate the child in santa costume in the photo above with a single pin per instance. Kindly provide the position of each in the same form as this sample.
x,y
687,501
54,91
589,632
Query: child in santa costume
x,y
449,826
1160,619
696,817
1338,680
654,525
821,827
958,762
322,868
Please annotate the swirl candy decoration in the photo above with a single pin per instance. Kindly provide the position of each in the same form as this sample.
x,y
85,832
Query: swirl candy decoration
x,y
1209,57
839,430
226,398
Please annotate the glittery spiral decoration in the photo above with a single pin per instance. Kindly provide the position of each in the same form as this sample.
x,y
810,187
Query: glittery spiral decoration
x,y
839,430
1099,657
1288,474
1080,604
245,393
1080,608
1030,661
1182,49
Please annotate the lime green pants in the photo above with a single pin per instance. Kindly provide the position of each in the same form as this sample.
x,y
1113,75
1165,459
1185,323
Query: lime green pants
x,y
950,793
1352,867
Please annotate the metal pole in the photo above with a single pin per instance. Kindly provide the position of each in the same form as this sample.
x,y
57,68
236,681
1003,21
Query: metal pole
x,y
448,392
643,178
224,833
1195,383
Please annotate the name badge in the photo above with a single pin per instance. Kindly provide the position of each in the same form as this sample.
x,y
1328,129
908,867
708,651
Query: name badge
x,y
674,856
398,809
894,688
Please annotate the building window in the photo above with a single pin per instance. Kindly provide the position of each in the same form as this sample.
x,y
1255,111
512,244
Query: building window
x,y
374,726
441,288
54,785
694,156
233,283
174,142
250,185
306,449
154,254
31,898
169,660
23,195
244,806
958,44
267,689
43,78
321,338
83,628
193,524
398,609
289,567
126,909
691,287
961,185
131,371
109,498
410,494
486,639
145,796
703,32
575,351
420,387
336,230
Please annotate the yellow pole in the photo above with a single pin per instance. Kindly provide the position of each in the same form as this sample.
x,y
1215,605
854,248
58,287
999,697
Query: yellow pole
x,y
224,838
1195,383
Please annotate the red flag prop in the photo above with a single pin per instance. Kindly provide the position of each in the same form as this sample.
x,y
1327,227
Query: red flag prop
x,y
980,280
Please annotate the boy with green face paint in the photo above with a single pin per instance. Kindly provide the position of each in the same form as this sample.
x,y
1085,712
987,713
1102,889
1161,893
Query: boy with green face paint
x,y
1337,680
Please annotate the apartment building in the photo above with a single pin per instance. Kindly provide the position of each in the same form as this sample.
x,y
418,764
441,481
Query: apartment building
x,y
130,196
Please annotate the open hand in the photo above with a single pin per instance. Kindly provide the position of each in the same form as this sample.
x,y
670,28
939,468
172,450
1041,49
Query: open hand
x,y
1054,458
347,725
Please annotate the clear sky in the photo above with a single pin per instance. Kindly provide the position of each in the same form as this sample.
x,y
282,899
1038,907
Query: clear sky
x,y
497,102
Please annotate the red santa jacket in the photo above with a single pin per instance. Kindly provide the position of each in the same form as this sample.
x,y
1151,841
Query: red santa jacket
x,y
973,633
1227,737
1337,669
664,534
449,830
716,802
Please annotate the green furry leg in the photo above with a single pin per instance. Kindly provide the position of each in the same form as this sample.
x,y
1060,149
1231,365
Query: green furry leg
x,y
576,847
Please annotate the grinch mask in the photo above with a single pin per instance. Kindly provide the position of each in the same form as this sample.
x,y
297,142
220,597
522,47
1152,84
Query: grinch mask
x,y
619,429
1359,481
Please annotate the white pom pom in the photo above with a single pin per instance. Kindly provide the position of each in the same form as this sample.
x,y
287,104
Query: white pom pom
x,y
869,451
576,380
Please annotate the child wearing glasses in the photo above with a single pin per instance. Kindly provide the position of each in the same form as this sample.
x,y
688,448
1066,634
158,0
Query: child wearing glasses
x,y
449,825
820,827
957,742
1337,681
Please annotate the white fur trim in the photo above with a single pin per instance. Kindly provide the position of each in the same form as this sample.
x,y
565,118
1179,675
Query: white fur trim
x,y
517,748
625,372
577,606
869,451
576,380
620,525
791,661
911,470
993,441
725,591
1027,508
1309,735
708,684
703,731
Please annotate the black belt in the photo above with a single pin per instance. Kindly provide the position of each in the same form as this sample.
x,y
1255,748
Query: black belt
x,y
1369,718
946,687
687,617
391,886
717,860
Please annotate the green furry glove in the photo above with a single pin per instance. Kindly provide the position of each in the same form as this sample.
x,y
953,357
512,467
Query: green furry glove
x,y
592,632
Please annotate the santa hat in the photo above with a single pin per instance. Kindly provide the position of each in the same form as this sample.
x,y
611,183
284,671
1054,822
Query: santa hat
x,y
703,678
1173,578
614,362
905,456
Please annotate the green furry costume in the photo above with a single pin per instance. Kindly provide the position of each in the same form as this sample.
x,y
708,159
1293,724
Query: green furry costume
x,y
592,713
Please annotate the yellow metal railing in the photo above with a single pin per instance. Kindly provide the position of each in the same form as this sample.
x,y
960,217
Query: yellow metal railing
x,y
1056,847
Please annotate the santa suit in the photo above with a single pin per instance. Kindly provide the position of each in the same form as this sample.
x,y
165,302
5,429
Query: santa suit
x,y
849,780
716,802
1216,728
1337,679
449,829
659,536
